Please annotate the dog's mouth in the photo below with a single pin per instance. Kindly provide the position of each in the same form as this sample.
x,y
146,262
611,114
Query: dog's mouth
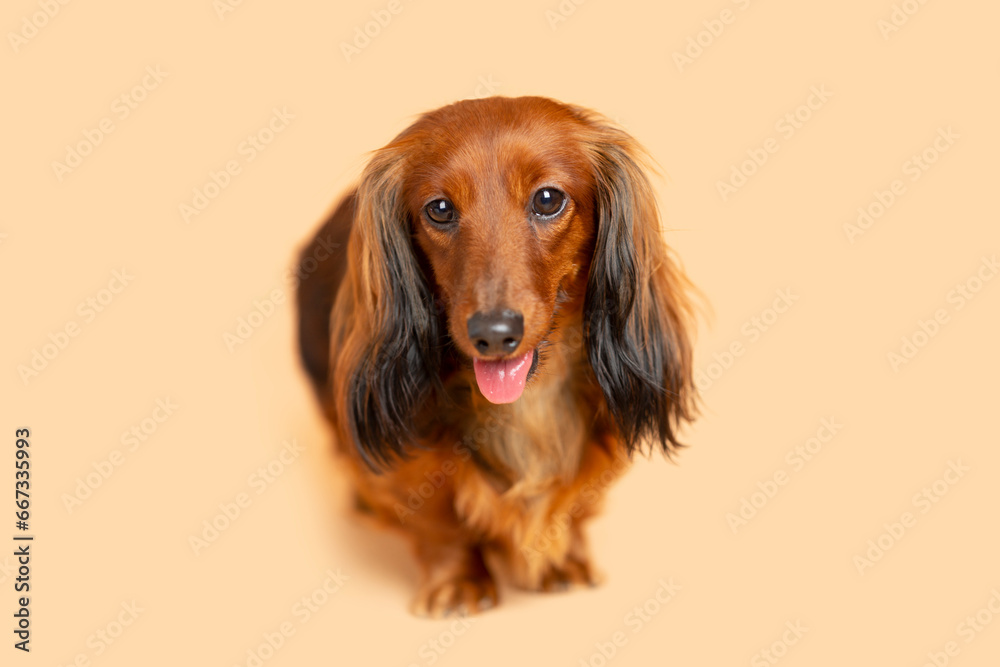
x,y
503,380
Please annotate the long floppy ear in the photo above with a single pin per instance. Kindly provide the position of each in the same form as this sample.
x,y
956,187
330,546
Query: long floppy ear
x,y
637,312
384,323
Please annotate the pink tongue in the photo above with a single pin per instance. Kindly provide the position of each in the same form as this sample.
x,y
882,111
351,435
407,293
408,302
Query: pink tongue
x,y
503,381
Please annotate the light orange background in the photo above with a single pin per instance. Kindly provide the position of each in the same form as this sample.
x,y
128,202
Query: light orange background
x,y
825,357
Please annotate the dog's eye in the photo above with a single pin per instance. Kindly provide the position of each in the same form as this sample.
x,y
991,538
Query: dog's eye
x,y
441,211
548,203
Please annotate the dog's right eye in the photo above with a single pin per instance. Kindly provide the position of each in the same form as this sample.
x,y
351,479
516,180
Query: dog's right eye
x,y
441,211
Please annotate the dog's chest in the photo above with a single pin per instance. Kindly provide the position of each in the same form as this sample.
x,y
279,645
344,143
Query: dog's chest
x,y
533,445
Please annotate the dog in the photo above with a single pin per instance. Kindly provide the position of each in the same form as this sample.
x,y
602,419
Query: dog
x,y
499,327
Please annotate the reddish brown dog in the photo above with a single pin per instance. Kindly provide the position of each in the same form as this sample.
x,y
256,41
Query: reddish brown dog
x,y
502,327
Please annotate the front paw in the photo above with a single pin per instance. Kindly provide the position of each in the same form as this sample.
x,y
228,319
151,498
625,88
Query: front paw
x,y
462,595
573,573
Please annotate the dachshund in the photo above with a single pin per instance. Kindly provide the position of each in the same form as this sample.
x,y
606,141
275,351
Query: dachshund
x,y
499,327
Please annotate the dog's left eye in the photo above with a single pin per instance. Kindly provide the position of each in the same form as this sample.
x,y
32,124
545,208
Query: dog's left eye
x,y
548,203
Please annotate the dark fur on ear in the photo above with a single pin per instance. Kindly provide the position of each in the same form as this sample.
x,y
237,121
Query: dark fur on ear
x,y
319,272
637,312
389,330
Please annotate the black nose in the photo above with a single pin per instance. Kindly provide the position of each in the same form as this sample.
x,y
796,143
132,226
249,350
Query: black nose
x,y
496,332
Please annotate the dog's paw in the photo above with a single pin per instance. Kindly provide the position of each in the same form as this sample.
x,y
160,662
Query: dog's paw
x,y
462,596
574,573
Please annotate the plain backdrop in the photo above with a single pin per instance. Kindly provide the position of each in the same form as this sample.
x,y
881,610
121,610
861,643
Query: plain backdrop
x,y
829,175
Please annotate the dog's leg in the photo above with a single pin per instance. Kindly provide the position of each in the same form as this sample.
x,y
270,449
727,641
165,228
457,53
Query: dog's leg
x,y
553,554
553,559
455,579
575,570
573,566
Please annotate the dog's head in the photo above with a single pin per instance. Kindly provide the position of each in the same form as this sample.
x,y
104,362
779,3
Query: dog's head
x,y
474,228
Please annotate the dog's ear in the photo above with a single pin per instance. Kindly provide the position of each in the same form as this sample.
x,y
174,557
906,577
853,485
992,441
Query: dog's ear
x,y
389,362
638,312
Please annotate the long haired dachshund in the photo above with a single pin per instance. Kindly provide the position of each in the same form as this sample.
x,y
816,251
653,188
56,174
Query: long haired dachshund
x,y
503,327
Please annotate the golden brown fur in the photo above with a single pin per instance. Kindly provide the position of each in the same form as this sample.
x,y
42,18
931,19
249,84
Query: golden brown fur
x,y
605,308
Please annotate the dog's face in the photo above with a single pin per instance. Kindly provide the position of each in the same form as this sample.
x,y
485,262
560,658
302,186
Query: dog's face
x,y
501,205
508,212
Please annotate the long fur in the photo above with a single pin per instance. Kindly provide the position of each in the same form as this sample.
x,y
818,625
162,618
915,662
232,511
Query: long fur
x,y
381,340
392,357
637,312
